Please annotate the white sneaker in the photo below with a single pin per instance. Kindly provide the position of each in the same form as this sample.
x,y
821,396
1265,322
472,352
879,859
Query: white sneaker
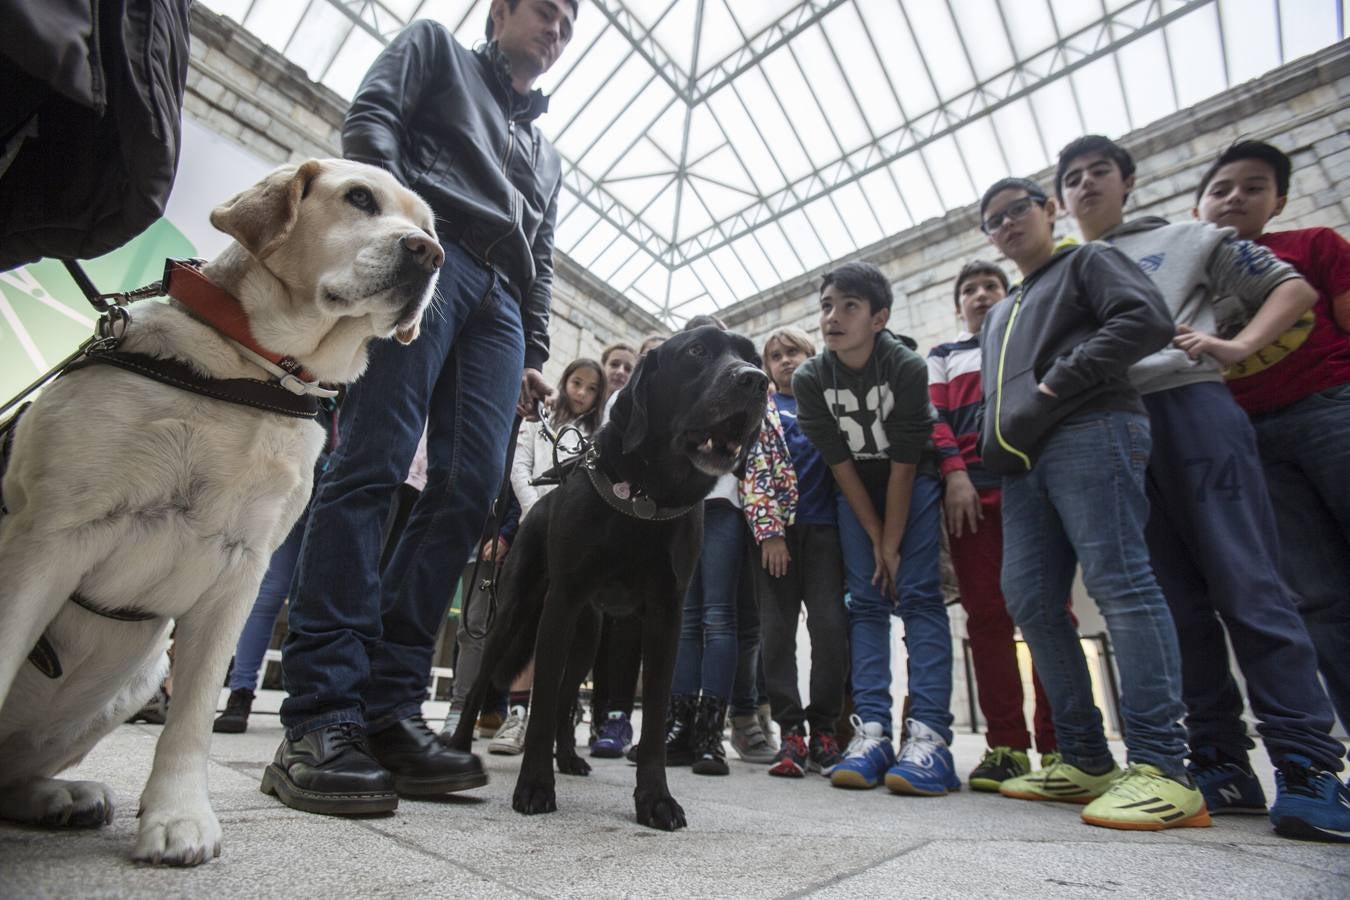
x,y
510,739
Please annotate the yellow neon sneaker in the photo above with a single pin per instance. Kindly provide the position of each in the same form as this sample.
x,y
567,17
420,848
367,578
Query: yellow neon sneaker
x,y
1145,799
1059,781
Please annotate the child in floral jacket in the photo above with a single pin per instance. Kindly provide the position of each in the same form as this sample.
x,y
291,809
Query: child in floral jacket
x,y
788,497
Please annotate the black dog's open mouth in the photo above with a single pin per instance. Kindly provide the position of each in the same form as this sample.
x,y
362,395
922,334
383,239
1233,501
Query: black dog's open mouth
x,y
716,448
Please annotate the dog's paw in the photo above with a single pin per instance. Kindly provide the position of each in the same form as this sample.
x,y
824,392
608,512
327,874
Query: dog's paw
x,y
51,803
181,834
659,812
532,798
572,764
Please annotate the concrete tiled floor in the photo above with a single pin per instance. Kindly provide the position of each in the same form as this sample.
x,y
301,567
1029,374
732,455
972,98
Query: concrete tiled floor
x,y
749,836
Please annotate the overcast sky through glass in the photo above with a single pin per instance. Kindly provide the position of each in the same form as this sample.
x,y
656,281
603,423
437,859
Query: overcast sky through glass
x,y
714,149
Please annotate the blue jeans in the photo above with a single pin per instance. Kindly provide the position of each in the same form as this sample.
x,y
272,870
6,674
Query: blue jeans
x,y
1212,541
928,631
1085,502
257,633
360,643
707,655
1305,450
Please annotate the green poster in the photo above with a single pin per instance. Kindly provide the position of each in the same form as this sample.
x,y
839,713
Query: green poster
x,y
44,316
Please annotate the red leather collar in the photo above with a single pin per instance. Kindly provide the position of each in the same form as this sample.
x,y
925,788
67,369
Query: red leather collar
x,y
184,282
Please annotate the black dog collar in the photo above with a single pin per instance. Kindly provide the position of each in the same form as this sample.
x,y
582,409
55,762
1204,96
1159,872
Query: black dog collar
x,y
626,498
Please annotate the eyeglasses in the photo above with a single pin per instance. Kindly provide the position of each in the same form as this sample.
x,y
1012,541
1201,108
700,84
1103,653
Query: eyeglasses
x,y
1016,210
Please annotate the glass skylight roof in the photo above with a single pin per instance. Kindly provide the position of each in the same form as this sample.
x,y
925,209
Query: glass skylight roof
x,y
714,149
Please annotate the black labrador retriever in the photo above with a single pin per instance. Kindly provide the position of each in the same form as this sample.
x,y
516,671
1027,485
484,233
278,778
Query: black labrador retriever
x,y
621,535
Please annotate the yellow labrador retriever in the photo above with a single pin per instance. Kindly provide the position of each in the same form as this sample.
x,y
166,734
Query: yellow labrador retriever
x,y
134,506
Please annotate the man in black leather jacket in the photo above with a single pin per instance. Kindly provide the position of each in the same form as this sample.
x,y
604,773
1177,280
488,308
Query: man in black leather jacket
x,y
457,126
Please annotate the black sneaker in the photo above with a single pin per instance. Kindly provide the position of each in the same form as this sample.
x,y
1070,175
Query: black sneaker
x,y
998,765
154,712
331,772
234,720
1230,787
823,754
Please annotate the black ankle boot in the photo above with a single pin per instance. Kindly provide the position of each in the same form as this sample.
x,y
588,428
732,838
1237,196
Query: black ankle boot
x,y
679,730
710,755
234,720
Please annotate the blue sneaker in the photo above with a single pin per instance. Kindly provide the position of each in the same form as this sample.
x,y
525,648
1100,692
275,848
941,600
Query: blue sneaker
x,y
868,757
614,736
924,767
1229,787
1310,803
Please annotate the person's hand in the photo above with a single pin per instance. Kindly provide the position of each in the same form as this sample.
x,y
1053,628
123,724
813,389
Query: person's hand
x,y
961,504
886,569
1046,390
773,553
533,390
1197,343
493,548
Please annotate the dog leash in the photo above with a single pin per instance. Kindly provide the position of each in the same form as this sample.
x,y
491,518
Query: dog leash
x,y
293,391
491,528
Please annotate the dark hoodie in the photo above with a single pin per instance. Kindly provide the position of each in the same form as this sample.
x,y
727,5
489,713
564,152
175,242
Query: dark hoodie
x,y
874,416
1077,324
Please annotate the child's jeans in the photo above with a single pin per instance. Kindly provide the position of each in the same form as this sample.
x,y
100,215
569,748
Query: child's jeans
x,y
1084,502
928,634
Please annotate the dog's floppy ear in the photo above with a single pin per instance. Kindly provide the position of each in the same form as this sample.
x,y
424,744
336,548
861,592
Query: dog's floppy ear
x,y
261,217
630,409
745,349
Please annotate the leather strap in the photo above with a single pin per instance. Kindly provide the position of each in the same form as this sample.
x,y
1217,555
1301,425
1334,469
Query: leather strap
x,y
218,308
262,395
627,499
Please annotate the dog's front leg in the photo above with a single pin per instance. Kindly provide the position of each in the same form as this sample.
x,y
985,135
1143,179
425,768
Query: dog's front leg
x,y
38,573
579,662
535,785
178,826
660,639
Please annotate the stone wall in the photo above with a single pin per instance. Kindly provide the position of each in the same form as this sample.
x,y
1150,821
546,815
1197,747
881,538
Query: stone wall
x,y
246,91
1303,108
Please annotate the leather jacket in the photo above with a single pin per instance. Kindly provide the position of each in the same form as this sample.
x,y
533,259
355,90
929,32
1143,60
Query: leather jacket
x,y
447,123
90,122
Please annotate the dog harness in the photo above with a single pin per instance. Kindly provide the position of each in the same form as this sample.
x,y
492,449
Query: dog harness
x,y
43,655
292,392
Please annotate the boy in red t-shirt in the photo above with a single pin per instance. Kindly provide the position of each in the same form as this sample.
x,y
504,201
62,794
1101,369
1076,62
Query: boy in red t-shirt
x,y
1297,392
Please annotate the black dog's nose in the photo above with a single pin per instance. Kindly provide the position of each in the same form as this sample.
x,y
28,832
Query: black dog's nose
x,y
751,380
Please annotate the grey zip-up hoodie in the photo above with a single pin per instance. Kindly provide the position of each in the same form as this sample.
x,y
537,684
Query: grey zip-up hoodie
x,y
1077,324
1211,280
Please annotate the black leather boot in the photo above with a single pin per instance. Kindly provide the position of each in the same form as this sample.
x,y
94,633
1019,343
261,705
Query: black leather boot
x,y
331,771
421,764
710,754
234,720
680,730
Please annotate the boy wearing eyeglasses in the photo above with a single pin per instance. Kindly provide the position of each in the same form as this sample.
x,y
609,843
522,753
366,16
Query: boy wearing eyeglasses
x,y
1211,528
1070,436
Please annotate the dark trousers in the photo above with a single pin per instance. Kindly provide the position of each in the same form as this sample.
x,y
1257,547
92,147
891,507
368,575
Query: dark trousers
x,y
1212,540
977,558
747,691
617,660
1305,450
814,580
360,642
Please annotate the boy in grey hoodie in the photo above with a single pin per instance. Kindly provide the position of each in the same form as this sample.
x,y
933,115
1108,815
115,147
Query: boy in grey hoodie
x,y
1211,530
1069,434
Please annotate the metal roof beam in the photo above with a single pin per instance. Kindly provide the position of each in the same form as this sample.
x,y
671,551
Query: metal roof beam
x,y
645,45
1046,67
760,45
